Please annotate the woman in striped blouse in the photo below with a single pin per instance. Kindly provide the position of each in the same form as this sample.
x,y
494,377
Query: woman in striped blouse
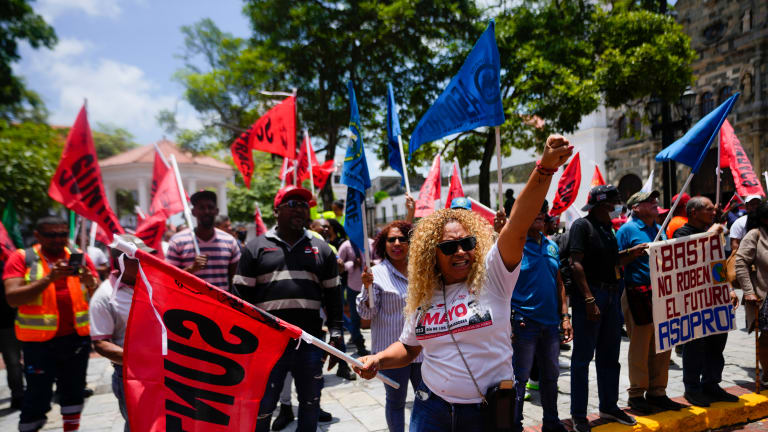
x,y
390,287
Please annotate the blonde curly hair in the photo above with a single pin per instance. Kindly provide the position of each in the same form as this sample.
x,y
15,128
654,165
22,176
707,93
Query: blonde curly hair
x,y
423,274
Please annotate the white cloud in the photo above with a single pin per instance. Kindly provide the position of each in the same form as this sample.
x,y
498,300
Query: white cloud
x,y
117,93
50,9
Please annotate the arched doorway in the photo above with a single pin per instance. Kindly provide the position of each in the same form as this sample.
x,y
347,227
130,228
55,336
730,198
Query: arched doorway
x,y
628,185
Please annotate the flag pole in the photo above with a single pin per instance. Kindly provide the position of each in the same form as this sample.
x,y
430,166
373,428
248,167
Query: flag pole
x,y
309,162
92,234
499,203
83,239
187,211
402,161
674,205
366,252
162,156
765,175
717,173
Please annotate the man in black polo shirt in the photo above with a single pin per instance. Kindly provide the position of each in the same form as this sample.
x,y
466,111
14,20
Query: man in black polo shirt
x,y
597,317
703,360
293,274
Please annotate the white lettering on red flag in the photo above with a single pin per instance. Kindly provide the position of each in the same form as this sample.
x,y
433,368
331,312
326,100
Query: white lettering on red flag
x,y
690,293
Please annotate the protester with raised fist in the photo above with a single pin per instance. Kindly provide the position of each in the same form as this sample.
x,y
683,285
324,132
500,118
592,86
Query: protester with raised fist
x,y
458,314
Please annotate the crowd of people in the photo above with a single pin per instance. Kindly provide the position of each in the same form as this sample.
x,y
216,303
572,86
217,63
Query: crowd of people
x,y
471,314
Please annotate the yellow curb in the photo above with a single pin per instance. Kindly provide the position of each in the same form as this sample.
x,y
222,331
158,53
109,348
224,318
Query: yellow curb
x,y
750,407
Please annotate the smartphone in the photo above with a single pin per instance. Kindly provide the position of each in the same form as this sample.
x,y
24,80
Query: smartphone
x,y
76,261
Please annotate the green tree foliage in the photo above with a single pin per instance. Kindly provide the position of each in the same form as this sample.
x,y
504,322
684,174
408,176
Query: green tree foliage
x,y
110,140
29,155
240,200
19,22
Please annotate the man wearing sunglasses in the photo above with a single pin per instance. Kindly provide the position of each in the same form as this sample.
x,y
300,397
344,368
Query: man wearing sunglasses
x,y
51,292
293,275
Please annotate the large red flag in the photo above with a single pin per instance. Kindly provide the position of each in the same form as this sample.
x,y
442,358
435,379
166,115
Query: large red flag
x,y
456,189
320,172
6,244
165,190
275,131
260,227
567,187
77,181
430,190
597,178
151,231
242,155
732,155
196,358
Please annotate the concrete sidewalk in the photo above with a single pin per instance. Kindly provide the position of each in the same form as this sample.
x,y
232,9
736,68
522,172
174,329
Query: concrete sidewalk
x,y
359,405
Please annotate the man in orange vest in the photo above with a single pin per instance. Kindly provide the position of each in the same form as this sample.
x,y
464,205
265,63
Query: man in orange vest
x,y
51,292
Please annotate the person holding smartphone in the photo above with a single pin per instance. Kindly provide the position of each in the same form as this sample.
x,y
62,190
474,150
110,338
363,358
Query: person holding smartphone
x,y
460,282
53,322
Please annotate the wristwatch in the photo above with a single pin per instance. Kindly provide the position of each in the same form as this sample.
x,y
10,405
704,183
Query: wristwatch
x,y
564,316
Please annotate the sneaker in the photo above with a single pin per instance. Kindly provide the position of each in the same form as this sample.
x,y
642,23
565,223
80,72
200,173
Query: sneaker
x,y
664,403
581,424
532,385
618,415
527,396
717,394
324,416
641,405
361,351
284,418
696,398
343,371
565,346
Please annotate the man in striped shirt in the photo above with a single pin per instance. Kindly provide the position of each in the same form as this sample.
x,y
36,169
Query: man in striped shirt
x,y
219,252
293,275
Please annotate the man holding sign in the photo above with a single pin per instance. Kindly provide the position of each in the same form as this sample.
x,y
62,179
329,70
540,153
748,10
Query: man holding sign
x,y
648,370
701,298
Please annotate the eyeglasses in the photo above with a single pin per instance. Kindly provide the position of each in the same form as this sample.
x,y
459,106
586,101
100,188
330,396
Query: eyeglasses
x,y
401,239
51,235
295,204
451,246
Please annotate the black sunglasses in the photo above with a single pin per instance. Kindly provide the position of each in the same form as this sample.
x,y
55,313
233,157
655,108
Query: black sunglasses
x,y
295,204
51,235
451,246
403,239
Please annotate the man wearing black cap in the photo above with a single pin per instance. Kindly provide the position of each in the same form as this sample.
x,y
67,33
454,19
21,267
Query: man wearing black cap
x,y
648,371
219,251
596,307
293,275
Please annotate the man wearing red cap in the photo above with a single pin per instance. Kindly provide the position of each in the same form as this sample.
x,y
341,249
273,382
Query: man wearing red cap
x,y
293,275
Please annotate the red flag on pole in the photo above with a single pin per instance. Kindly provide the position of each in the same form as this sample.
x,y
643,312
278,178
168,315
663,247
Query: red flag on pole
x,y
242,155
151,231
483,211
430,190
320,172
597,178
77,182
456,189
275,131
260,227
6,244
735,201
732,155
567,187
166,198
288,172
196,358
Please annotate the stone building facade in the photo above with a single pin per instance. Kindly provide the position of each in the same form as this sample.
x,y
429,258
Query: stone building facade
x,y
731,39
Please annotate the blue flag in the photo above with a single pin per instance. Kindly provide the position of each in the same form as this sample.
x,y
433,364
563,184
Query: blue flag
x,y
393,131
692,148
472,99
355,175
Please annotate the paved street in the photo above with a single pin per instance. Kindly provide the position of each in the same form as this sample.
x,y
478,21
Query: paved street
x,y
359,405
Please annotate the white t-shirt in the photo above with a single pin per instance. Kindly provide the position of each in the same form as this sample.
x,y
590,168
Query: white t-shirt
x,y
481,327
109,316
98,256
739,228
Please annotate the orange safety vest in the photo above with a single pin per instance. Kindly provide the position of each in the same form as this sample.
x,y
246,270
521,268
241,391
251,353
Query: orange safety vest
x,y
38,321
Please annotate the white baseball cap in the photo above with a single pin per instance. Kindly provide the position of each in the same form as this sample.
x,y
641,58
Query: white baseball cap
x,y
753,197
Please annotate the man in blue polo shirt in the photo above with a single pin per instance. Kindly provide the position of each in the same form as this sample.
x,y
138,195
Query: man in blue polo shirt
x,y
647,370
538,311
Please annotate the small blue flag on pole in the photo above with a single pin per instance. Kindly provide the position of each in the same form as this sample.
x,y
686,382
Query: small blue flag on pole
x,y
393,131
692,148
355,175
472,98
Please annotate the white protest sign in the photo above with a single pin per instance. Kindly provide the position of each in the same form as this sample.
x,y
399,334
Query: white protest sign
x,y
690,293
